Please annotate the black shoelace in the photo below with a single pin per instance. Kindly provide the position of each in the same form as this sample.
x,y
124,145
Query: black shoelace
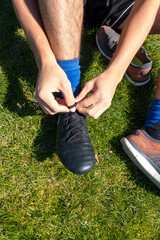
x,y
74,126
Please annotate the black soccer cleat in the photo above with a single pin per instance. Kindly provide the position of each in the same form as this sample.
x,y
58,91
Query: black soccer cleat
x,y
74,146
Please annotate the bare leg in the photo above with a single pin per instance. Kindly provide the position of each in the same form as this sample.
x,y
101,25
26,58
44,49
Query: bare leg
x,y
63,24
156,26
157,93
51,77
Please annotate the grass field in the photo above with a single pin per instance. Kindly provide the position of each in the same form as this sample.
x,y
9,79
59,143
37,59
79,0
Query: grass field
x,y
39,198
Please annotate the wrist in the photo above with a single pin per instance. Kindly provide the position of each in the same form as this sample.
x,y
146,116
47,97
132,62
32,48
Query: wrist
x,y
118,66
45,60
114,74
42,51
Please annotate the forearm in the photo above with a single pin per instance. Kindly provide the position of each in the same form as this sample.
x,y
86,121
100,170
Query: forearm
x,y
28,14
134,33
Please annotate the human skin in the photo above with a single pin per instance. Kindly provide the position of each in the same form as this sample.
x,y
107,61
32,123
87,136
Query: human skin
x,y
51,44
41,21
157,92
143,18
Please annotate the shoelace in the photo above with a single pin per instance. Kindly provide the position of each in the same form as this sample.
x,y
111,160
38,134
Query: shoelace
x,y
74,125
113,44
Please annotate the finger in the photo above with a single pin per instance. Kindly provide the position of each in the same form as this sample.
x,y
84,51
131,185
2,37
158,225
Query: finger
x,y
48,102
62,101
84,111
69,97
95,111
42,104
85,91
72,106
87,102
44,107
54,105
46,110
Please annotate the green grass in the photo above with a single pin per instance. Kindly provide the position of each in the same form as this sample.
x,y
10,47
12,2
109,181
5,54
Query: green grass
x,y
39,198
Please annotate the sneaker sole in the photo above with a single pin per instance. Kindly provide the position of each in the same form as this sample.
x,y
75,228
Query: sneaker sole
x,y
141,162
137,84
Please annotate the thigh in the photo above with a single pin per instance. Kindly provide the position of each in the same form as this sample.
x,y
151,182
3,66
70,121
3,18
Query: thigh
x,y
156,26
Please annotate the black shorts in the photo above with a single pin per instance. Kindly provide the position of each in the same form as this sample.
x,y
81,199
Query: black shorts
x,y
106,12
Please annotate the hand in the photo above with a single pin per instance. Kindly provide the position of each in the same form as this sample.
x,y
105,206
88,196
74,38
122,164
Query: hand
x,y
52,79
102,89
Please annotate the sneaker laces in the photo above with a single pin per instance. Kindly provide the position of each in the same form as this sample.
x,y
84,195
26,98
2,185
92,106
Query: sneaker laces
x,y
74,125
113,44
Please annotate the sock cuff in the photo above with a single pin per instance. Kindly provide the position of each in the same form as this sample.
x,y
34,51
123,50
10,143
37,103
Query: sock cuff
x,y
153,114
155,103
69,65
72,70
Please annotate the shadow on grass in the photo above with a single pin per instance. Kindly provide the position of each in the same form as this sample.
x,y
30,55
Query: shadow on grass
x,y
45,142
17,62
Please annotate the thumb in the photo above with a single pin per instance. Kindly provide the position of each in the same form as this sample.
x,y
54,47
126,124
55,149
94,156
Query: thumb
x,y
69,97
85,91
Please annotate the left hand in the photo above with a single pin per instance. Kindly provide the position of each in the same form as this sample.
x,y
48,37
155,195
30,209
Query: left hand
x,y
102,89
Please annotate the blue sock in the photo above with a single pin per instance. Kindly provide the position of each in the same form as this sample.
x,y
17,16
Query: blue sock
x,y
152,124
153,114
72,70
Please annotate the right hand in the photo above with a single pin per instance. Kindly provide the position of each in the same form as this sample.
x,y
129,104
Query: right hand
x,y
102,89
52,78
